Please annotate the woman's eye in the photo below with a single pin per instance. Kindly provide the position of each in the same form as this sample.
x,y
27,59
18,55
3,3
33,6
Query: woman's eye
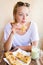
x,y
20,14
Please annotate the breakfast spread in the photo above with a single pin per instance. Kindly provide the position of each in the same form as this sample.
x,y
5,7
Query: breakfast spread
x,y
23,58
17,58
12,59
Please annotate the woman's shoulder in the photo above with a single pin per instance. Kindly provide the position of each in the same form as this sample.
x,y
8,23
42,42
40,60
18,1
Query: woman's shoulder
x,y
7,26
33,24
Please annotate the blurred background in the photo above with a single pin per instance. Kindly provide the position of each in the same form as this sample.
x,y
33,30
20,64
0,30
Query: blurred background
x,y
36,14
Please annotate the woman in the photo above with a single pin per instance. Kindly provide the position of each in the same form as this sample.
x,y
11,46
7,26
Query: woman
x,y
22,33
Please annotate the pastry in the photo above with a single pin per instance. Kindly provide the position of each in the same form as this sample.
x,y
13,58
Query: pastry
x,y
23,58
12,59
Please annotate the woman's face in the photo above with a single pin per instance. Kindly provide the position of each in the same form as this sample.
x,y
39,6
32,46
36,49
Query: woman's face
x,y
22,15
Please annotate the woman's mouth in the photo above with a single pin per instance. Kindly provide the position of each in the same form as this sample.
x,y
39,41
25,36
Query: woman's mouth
x,y
23,21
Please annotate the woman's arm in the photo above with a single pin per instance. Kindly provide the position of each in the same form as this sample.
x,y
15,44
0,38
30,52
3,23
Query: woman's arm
x,y
8,43
35,43
27,48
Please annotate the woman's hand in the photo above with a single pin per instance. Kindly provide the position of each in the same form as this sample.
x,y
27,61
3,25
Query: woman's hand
x,y
18,28
15,28
15,48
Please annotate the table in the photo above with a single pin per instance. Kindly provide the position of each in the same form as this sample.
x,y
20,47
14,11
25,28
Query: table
x,y
33,62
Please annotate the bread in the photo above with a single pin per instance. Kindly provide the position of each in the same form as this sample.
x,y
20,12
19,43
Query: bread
x,y
23,28
15,60
12,59
23,58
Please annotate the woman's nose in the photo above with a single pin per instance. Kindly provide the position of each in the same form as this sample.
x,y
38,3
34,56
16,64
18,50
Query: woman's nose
x,y
24,17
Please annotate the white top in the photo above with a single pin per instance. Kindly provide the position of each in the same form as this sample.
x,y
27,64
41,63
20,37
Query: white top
x,y
23,40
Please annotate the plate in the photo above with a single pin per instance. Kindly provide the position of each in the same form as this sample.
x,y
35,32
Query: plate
x,y
22,52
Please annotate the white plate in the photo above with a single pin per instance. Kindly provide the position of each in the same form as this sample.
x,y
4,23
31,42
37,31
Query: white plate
x,y
23,52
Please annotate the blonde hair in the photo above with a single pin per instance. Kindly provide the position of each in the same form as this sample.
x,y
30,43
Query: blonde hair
x,y
19,4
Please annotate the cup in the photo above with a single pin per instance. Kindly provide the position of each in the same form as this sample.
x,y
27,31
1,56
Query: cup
x,y
35,53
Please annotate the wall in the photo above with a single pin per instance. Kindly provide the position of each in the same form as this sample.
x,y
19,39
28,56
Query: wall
x,y
6,9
